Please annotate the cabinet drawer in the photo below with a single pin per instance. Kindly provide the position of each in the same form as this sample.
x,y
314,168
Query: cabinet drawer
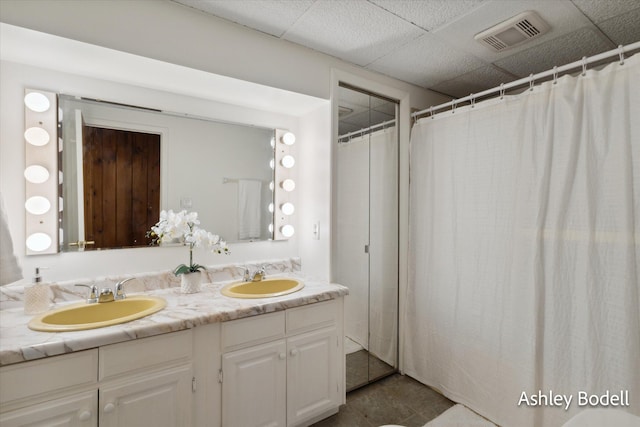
x,y
311,316
41,377
75,410
252,330
145,354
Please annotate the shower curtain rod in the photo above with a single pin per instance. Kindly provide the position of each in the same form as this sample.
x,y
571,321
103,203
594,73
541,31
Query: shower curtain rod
x,y
620,51
369,129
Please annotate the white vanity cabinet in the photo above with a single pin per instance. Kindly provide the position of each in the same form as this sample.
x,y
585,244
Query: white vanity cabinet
x,y
56,391
135,383
284,368
279,369
147,382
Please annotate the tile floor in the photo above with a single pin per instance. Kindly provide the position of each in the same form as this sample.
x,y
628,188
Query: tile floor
x,y
397,399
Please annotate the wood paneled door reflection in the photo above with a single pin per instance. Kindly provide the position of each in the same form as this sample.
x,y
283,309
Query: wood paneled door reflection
x,y
121,186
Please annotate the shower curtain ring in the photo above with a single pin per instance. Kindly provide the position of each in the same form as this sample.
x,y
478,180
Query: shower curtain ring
x,y
531,81
501,90
621,53
473,101
555,75
584,65
454,105
431,111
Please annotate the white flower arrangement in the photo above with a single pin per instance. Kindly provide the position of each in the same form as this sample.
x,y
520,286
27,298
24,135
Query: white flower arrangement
x,y
184,225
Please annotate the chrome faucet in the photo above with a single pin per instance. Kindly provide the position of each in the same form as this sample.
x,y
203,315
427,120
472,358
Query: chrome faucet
x,y
257,275
120,289
93,293
106,295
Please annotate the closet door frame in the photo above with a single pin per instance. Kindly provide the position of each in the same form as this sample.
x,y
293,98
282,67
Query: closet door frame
x,y
403,123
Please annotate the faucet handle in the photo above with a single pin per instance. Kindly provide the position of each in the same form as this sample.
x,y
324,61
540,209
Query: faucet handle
x,y
93,293
246,275
120,288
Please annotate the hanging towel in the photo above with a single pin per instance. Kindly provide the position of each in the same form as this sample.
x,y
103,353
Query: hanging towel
x,y
9,268
249,207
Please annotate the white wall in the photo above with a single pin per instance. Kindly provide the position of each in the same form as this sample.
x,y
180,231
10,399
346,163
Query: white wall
x,y
314,198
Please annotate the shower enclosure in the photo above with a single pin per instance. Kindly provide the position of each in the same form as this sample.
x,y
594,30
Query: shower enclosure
x,y
365,232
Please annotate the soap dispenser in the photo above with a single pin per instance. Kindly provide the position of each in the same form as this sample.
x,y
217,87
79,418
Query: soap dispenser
x,y
36,295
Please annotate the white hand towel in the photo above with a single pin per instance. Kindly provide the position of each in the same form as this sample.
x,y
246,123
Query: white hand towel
x,y
249,209
9,269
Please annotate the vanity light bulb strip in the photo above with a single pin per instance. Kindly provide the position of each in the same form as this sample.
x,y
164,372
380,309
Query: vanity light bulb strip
x,y
41,172
284,193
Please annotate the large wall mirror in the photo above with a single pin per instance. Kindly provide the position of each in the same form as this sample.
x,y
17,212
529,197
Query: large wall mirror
x,y
120,165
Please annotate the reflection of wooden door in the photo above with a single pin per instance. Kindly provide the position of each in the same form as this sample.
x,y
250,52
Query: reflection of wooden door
x,y
121,186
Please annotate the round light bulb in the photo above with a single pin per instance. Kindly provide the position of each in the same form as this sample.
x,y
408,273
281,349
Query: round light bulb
x,y
289,138
35,101
272,163
270,228
39,242
36,174
288,161
273,142
287,208
271,207
287,230
271,185
37,136
288,184
37,205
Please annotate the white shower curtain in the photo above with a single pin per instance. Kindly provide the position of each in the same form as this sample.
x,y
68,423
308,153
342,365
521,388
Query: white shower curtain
x,y
525,248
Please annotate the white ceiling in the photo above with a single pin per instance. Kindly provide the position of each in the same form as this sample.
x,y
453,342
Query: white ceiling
x,y
430,42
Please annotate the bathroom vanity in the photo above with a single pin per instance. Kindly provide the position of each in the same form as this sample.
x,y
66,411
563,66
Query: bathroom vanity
x,y
205,360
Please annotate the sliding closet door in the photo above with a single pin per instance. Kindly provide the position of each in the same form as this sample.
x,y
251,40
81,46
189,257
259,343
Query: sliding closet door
x,y
351,266
365,233
383,251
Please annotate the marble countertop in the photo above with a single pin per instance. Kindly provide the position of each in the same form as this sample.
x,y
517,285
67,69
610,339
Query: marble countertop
x,y
18,343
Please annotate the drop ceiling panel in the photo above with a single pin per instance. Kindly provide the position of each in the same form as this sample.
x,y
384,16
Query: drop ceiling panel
x,y
475,81
623,29
426,61
559,51
356,31
601,10
272,17
428,15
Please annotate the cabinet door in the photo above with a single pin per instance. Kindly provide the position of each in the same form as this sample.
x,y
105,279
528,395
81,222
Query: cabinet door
x,y
160,400
73,411
312,374
254,386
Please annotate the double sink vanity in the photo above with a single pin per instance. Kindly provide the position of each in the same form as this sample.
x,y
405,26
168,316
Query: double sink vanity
x,y
237,353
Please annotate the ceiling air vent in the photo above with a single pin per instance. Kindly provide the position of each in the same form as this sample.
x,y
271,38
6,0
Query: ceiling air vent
x,y
513,32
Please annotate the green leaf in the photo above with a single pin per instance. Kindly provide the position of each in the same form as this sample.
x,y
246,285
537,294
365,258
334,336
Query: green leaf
x,y
181,269
197,267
